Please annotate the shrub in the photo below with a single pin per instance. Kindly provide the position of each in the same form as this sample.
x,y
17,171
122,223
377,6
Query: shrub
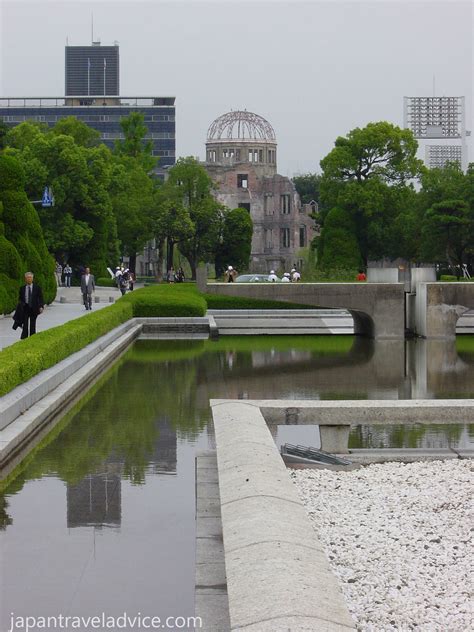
x,y
215,301
20,233
106,282
167,300
26,358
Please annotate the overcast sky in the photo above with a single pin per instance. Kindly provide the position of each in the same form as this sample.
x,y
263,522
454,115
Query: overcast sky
x,y
315,70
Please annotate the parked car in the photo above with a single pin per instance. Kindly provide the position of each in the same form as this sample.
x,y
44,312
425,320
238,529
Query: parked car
x,y
253,278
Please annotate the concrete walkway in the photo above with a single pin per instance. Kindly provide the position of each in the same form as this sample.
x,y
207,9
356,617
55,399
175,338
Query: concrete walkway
x,y
57,313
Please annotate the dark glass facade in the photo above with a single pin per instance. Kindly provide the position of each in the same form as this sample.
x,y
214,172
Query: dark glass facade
x,y
159,119
92,70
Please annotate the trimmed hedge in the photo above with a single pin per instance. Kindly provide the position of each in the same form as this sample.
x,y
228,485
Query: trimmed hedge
x,y
105,282
26,358
215,301
167,300
452,278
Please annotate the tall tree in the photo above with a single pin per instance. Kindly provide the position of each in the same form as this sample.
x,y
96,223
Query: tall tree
x,y
236,242
135,144
448,233
194,188
367,175
308,186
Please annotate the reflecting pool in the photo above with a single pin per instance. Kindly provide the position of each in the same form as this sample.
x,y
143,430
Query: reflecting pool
x,y
99,517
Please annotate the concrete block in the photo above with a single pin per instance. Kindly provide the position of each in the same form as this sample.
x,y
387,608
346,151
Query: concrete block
x,y
213,611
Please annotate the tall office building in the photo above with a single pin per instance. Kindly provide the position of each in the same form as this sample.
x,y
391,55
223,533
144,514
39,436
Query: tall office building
x,y
92,96
441,119
92,70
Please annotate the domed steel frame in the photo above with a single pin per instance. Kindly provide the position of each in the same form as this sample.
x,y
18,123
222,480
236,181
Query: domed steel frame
x,y
248,126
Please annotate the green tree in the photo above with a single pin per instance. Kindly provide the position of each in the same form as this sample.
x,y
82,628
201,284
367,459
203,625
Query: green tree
x,y
194,188
448,232
236,242
83,135
338,247
135,144
308,186
380,150
22,246
3,135
81,226
133,204
367,174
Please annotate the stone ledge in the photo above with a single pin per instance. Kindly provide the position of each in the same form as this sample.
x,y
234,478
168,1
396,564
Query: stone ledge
x,y
275,580
24,396
19,432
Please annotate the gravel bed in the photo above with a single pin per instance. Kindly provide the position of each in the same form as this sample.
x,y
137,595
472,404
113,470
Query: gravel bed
x,y
399,537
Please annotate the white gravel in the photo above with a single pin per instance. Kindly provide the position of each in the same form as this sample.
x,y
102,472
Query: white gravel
x,y
399,537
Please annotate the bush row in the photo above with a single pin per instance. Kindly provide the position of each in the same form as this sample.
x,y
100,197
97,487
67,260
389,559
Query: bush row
x,y
451,277
26,358
236,302
105,282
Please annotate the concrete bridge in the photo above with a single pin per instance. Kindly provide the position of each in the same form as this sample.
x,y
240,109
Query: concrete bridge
x,y
379,310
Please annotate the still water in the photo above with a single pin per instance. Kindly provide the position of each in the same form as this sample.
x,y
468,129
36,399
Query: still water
x,y
99,517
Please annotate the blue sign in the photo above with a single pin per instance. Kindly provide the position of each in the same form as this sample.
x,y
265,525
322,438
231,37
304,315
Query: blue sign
x,y
46,199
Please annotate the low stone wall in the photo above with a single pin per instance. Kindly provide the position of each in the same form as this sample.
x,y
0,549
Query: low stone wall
x,y
278,577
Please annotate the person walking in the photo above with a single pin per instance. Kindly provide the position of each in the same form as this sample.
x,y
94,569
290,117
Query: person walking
x,y
67,275
180,275
87,287
31,299
58,272
171,275
131,280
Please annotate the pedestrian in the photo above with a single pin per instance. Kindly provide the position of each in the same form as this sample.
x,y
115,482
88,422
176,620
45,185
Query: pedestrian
x,y
58,272
87,287
131,280
118,274
295,275
230,274
67,275
286,278
361,276
180,275
272,277
31,301
124,282
170,275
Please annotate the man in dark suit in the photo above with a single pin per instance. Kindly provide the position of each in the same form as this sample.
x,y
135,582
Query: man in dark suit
x,y
31,297
87,287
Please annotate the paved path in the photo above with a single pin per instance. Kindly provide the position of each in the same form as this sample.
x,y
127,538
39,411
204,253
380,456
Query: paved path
x,y
57,313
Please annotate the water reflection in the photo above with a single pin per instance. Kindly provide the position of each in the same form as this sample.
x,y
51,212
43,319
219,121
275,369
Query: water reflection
x,y
120,464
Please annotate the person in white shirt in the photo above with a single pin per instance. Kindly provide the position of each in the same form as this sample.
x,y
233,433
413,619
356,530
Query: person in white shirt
x,y
286,278
272,276
295,275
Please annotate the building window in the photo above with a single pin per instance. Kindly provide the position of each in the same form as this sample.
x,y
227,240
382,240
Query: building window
x,y
260,155
268,204
242,180
228,153
268,238
302,236
285,237
271,156
211,155
253,155
245,205
237,154
285,203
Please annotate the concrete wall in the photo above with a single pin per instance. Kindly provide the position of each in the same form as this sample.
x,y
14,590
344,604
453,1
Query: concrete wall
x,y
278,577
377,308
439,306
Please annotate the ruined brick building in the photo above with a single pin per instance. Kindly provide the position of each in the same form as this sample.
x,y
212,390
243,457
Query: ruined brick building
x,y
241,157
